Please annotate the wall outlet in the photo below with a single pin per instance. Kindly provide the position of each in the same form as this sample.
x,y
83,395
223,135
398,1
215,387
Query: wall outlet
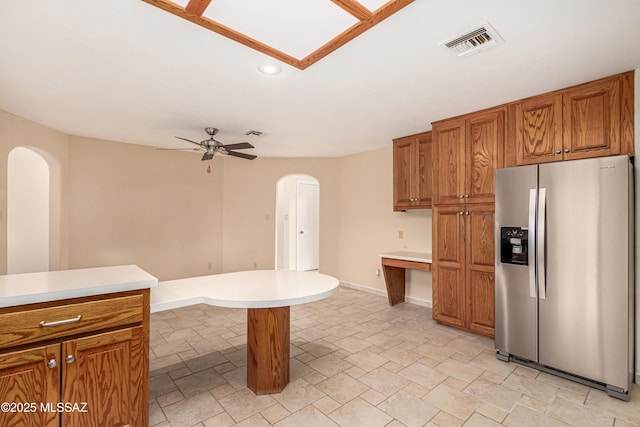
x,y
377,272
400,234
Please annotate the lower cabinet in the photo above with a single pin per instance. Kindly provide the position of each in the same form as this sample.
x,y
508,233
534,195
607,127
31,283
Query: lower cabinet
x,y
94,379
463,267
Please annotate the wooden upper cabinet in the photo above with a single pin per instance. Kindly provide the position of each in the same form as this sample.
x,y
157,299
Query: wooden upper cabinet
x,y
412,172
538,127
448,161
485,141
590,120
467,151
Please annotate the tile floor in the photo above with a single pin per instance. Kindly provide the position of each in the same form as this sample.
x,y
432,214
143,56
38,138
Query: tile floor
x,y
358,362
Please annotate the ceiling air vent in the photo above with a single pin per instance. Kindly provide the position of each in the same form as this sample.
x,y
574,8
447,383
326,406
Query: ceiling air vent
x,y
253,133
473,40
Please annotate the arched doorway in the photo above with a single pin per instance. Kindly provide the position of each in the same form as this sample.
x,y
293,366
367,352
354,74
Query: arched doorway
x,y
28,212
297,223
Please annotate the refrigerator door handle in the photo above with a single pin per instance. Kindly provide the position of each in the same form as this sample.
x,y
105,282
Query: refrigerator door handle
x,y
532,242
540,242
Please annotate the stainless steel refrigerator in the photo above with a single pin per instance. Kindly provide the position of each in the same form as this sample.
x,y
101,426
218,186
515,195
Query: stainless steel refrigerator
x,y
565,270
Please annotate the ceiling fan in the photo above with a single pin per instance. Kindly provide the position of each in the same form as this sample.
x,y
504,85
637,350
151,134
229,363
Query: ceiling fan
x,y
212,146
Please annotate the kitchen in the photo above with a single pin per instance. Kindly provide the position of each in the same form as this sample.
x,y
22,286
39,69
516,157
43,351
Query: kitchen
x,y
91,198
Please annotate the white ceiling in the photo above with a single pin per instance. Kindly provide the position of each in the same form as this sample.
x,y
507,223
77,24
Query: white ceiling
x,y
124,70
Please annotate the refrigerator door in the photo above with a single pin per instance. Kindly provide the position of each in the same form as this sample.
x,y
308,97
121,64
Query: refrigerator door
x,y
516,330
583,321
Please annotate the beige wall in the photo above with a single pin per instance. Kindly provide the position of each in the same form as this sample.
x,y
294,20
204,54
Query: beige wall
x,y
369,226
250,207
132,204
53,146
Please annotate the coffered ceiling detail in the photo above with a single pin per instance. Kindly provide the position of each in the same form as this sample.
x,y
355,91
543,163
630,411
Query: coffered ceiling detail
x,y
298,33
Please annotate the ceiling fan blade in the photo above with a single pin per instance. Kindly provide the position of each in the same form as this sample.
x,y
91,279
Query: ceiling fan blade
x,y
241,155
238,146
188,140
208,155
178,149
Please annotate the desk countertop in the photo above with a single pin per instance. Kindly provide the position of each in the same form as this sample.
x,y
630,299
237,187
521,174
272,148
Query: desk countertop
x,y
244,289
28,288
408,256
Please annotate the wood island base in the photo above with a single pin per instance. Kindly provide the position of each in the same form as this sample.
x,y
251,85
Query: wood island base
x,y
268,349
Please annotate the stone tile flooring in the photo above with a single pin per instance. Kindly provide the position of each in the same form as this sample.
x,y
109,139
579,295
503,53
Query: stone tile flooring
x,y
358,362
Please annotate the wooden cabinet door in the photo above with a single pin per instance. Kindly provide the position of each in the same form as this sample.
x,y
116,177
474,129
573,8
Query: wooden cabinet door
x,y
403,149
480,261
538,129
25,377
592,120
485,141
424,171
108,372
449,265
449,162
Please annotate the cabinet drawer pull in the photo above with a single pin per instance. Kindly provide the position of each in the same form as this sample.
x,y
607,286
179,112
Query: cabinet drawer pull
x,y
44,324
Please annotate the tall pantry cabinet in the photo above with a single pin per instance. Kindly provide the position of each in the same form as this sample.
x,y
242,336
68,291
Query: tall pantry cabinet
x,y
466,151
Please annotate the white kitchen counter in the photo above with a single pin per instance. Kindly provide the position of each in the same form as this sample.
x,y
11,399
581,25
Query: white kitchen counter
x,y
408,256
244,289
28,288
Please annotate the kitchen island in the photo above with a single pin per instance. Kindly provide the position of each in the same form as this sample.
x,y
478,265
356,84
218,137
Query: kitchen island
x,y
75,339
267,295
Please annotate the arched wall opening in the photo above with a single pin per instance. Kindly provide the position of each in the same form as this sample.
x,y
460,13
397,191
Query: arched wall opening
x,y
297,223
33,211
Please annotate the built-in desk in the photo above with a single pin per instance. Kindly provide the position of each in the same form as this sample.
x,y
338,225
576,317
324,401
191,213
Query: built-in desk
x,y
393,267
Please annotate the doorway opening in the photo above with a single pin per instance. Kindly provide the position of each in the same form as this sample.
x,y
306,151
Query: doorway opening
x,y
297,223
28,189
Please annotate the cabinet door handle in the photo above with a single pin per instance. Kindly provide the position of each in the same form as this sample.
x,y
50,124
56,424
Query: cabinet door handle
x,y
566,150
466,213
44,324
558,151
460,213
52,363
461,196
69,359
466,196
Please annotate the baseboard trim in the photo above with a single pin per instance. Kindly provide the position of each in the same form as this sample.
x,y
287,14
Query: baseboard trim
x,y
407,299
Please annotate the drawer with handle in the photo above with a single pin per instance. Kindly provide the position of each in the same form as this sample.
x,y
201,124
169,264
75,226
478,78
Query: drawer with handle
x,y
39,324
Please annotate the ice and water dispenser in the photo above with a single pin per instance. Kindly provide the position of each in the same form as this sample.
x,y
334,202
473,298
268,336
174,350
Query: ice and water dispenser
x,y
514,244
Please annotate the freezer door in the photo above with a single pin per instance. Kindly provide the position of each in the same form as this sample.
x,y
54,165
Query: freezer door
x,y
516,305
584,326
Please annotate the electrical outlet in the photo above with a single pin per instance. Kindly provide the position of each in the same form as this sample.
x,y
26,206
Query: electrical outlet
x,y
377,271
400,234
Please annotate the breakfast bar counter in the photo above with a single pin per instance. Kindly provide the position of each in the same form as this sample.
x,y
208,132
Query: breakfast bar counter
x,y
268,295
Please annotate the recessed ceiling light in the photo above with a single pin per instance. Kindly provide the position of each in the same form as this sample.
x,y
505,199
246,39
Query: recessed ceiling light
x,y
269,68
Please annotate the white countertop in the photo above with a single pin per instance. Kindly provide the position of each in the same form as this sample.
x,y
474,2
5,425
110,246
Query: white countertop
x,y
28,288
408,256
244,289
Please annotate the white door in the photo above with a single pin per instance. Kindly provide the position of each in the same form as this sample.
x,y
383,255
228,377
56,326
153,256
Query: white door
x,y
307,226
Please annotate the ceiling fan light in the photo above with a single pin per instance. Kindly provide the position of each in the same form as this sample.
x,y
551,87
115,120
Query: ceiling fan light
x,y
269,68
